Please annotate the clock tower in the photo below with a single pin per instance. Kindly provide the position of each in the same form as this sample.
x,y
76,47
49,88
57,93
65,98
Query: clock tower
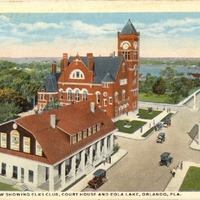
x,y
128,46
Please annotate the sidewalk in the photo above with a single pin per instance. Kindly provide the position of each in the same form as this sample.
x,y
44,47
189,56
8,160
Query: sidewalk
x,y
137,135
114,159
176,182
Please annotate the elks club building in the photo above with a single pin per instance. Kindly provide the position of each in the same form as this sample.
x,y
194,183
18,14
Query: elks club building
x,y
51,150
109,82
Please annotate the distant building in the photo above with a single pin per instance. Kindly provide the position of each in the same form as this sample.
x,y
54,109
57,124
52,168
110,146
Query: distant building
x,y
51,150
109,82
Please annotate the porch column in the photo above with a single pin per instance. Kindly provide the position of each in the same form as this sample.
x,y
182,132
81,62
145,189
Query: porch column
x,y
105,146
111,143
9,171
82,164
91,155
98,149
51,178
63,173
73,169
35,176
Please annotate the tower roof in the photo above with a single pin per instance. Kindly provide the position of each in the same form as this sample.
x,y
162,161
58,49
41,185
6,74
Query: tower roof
x,y
129,28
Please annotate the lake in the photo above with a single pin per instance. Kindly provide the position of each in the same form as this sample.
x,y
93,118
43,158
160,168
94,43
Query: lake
x,y
154,70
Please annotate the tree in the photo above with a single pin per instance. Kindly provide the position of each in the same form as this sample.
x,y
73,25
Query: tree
x,y
8,111
52,105
159,86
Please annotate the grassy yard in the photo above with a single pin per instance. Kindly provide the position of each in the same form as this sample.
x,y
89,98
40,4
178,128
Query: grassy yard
x,y
6,187
191,181
135,125
143,113
154,98
169,115
148,132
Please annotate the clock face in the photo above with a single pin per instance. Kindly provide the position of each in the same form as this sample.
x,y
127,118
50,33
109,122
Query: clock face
x,y
135,44
125,46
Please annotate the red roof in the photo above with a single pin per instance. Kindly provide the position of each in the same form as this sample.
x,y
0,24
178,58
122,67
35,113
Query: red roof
x,y
69,121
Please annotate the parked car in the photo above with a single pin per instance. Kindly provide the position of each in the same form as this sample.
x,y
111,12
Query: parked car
x,y
165,159
160,138
158,126
167,122
98,180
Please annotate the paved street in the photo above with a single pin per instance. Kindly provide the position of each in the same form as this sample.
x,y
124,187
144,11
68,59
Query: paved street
x,y
139,169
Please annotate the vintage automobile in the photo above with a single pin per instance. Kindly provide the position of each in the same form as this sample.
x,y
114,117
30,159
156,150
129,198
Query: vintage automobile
x,y
160,138
165,159
167,122
158,126
98,179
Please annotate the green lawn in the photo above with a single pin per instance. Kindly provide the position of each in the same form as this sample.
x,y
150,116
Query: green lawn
x,y
135,125
191,181
168,115
154,98
6,187
148,132
143,113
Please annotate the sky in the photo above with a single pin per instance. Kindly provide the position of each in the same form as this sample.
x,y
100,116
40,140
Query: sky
x,y
162,34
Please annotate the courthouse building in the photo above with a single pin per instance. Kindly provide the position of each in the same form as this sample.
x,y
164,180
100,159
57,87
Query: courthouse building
x,y
111,83
51,150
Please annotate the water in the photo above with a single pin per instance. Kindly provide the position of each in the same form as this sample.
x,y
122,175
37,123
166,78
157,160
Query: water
x,y
154,70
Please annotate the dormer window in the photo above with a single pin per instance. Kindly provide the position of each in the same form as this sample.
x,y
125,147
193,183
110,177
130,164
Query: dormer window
x,y
74,139
76,74
94,129
98,126
84,134
79,136
89,131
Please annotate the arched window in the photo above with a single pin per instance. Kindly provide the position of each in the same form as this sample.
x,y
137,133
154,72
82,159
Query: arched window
x,y
116,97
123,95
77,74
69,95
77,95
15,140
98,97
84,95
61,94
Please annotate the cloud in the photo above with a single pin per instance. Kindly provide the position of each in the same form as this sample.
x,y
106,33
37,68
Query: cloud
x,y
39,26
78,27
4,19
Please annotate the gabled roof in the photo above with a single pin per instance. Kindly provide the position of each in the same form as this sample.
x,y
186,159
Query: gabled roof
x,y
108,78
69,121
50,82
129,28
103,65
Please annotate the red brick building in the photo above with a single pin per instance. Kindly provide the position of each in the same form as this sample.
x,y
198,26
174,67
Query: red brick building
x,y
110,82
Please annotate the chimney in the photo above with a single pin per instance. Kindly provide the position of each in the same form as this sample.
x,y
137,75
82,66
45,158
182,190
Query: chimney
x,y
92,106
65,60
53,68
90,61
53,121
61,66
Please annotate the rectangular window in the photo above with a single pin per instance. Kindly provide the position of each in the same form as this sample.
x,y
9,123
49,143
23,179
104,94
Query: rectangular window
x,y
84,134
123,81
26,144
3,140
135,55
105,102
30,176
41,96
38,149
94,129
14,172
110,100
89,131
3,169
98,126
74,139
79,136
